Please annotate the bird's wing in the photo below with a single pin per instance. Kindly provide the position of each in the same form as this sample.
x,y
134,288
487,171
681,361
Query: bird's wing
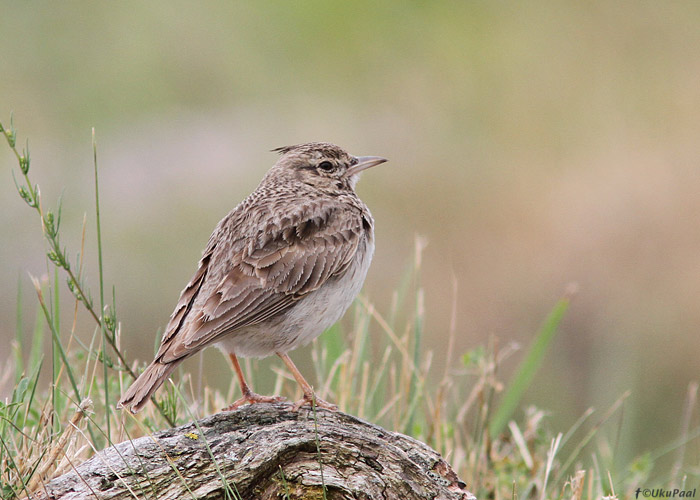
x,y
280,265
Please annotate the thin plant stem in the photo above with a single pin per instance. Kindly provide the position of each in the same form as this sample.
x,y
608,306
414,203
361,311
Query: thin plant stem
x,y
105,339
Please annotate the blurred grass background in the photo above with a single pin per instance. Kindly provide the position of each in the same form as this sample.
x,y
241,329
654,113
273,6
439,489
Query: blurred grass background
x,y
533,144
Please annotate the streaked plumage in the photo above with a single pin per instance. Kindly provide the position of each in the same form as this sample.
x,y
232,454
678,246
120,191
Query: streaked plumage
x,y
278,270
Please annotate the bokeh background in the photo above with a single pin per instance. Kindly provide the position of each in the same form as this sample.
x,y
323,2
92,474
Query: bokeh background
x,y
534,144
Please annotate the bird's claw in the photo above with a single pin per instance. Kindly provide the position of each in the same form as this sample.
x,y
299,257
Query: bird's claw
x,y
253,398
313,401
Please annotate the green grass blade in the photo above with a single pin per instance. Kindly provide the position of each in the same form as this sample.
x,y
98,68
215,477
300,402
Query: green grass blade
x,y
57,343
57,348
105,340
526,372
34,385
19,335
36,355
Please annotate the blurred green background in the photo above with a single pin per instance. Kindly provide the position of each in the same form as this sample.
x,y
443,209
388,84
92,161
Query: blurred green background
x,y
534,144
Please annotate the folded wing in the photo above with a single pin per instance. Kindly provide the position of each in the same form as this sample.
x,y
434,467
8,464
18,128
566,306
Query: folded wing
x,y
267,274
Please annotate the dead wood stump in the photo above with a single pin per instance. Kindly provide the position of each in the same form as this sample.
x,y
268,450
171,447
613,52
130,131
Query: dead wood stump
x,y
265,452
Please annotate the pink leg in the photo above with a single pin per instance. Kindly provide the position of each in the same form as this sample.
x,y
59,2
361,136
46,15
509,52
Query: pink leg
x,y
309,395
248,395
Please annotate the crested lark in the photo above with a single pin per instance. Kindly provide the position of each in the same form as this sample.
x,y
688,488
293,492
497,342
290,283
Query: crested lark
x,y
278,270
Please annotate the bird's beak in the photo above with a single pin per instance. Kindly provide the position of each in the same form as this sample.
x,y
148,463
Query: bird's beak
x,y
363,163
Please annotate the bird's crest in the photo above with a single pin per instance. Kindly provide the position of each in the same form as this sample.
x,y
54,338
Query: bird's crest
x,y
325,148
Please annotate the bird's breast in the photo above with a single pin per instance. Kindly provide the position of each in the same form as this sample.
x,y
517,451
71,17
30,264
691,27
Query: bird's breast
x,y
320,309
309,316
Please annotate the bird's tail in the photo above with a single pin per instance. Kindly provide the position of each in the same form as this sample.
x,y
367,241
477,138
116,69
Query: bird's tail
x,y
143,387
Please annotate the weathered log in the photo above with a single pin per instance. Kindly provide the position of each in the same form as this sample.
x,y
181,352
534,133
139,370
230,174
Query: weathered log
x,y
264,451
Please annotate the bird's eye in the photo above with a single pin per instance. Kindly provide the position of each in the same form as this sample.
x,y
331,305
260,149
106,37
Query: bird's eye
x,y
326,166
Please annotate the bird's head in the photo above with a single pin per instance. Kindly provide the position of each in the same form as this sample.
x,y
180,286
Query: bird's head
x,y
323,165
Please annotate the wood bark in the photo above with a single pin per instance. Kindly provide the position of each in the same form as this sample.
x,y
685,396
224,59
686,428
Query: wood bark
x,y
264,451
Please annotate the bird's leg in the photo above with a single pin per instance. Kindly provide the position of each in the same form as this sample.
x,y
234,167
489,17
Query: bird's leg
x,y
248,395
309,395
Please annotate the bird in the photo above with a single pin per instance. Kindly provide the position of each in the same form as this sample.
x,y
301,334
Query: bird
x,y
278,270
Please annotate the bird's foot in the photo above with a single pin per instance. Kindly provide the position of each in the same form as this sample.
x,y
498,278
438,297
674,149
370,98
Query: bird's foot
x,y
311,400
253,398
